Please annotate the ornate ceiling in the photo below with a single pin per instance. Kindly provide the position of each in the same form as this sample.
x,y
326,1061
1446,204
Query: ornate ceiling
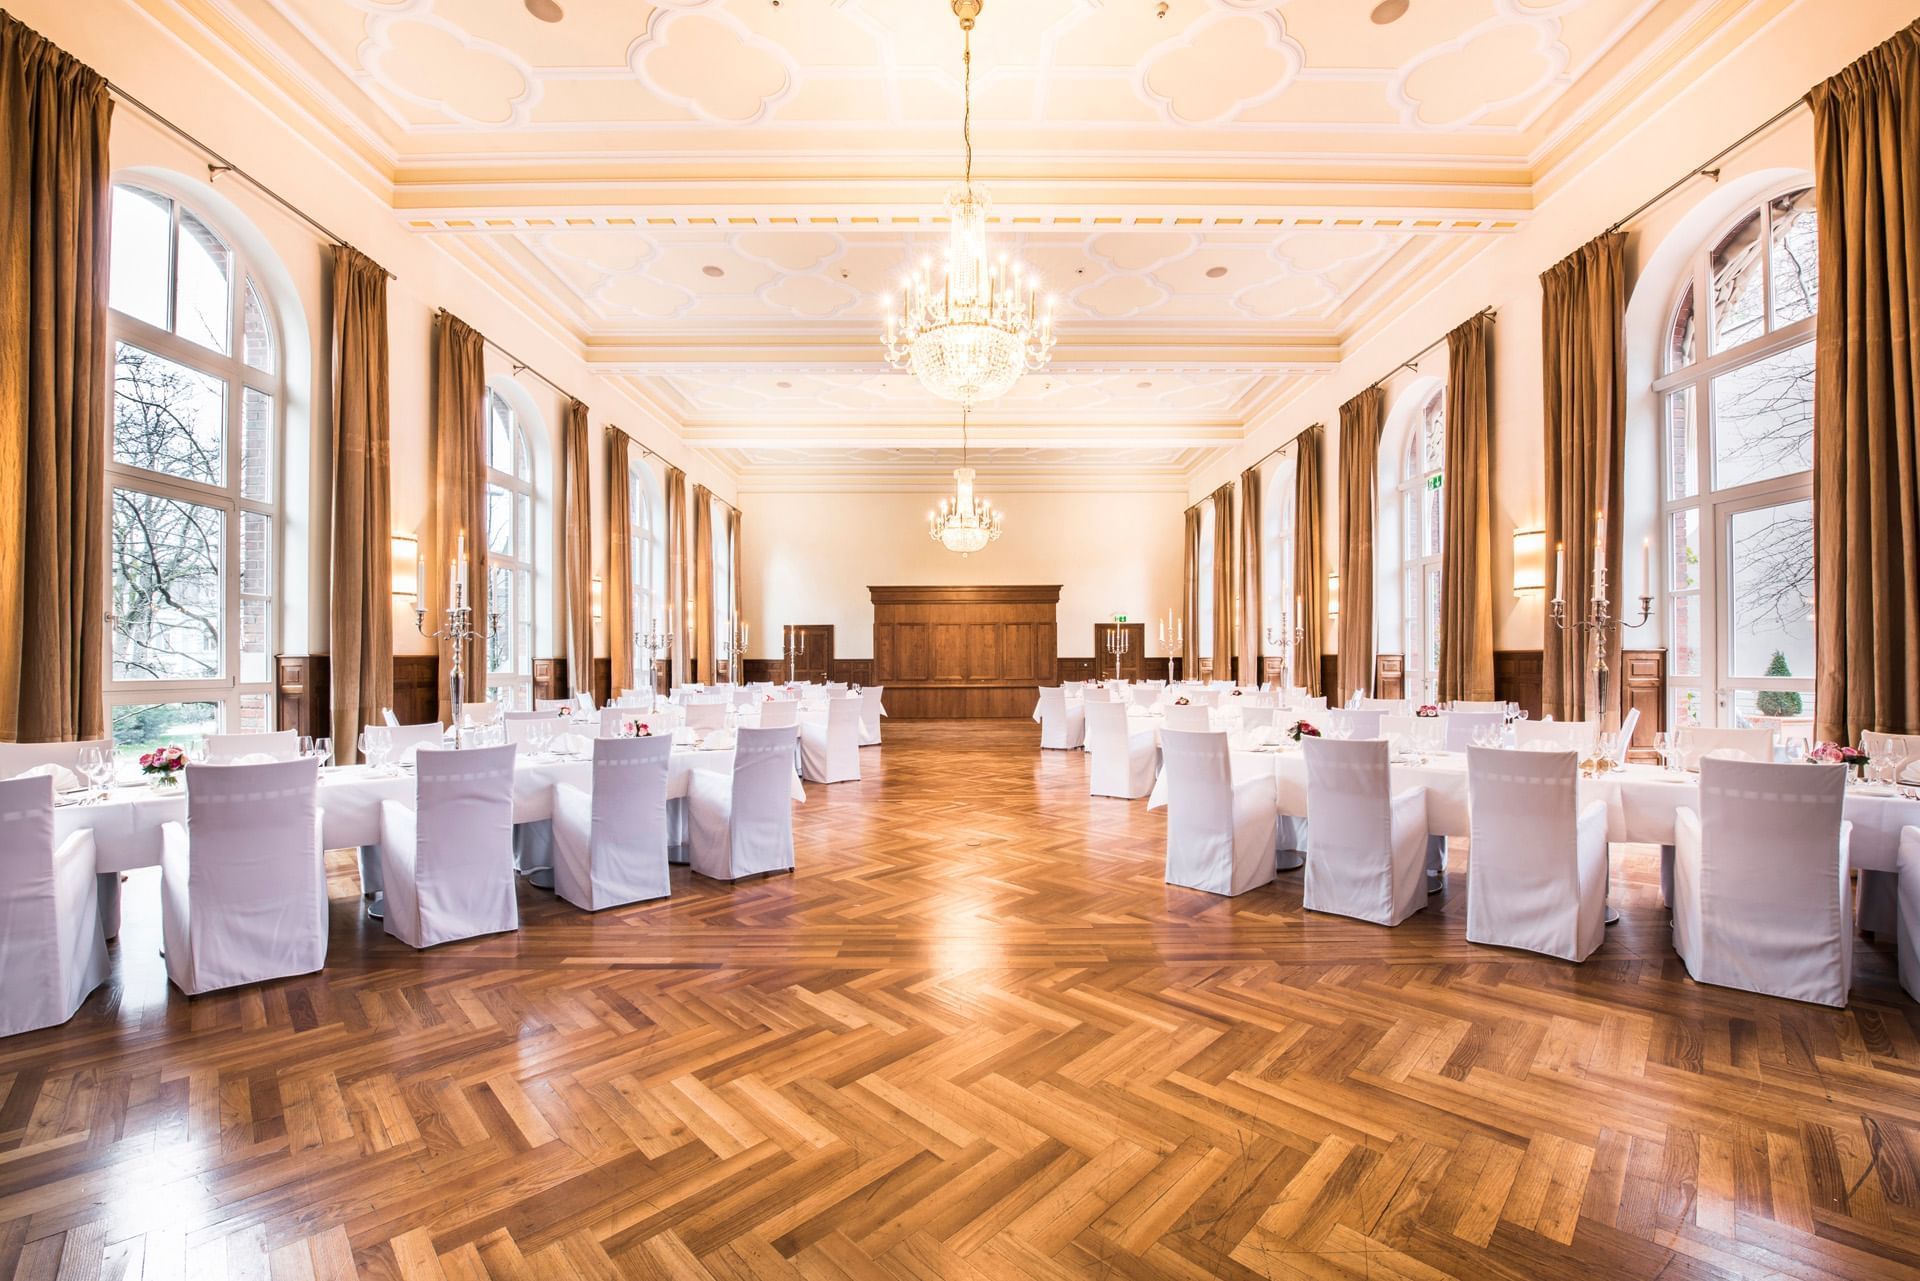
x,y
713,196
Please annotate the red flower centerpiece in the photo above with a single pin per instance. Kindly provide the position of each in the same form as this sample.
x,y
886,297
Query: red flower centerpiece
x,y
1237,691
1427,709
1830,753
1180,701
1302,729
163,765
639,729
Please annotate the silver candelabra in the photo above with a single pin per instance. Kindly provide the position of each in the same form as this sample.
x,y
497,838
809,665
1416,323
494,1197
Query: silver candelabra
x,y
1118,643
795,644
654,642
1172,641
1594,626
733,649
457,630
1288,641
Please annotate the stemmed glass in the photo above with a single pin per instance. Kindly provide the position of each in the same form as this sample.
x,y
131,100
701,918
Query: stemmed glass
x,y
95,764
375,743
1795,747
323,748
540,736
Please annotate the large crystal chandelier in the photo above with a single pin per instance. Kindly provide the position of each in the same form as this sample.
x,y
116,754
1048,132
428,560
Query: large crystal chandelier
x,y
969,334
963,523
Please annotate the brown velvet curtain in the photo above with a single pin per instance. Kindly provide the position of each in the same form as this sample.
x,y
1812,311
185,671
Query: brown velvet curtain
x,y
459,494
577,545
1189,598
678,576
1866,435
1585,376
1466,555
1360,421
54,120
1252,640
1223,611
1309,560
621,624
360,595
702,645
733,587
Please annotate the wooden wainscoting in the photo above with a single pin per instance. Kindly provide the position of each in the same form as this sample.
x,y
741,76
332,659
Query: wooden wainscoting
x,y
1389,676
550,678
1519,676
303,694
1094,669
416,688
964,652
854,671
1642,683
1330,678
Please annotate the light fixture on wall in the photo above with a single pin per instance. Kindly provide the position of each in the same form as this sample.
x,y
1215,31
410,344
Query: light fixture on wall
x,y
963,523
598,597
1529,562
1333,595
969,333
406,570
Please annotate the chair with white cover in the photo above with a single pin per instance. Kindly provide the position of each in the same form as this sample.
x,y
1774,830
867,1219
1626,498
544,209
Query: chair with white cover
x,y
741,824
243,882
1304,706
1907,882
61,761
1144,695
1559,736
51,946
779,713
610,844
830,749
447,861
1257,716
1192,717
405,741
1878,893
706,715
1760,880
1478,705
1062,728
1220,830
230,749
1204,697
742,696
549,705
480,713
1098,694
1694,742
871,711
1389,706
1403,727
836,688
1361,722
1367,845
1460,727
1120,758
1538,876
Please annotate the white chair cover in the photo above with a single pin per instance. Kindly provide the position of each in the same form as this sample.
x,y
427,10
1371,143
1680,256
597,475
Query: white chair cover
x,y
1879,899
1460,727
741,824
1363,721
405,741
1623,742
52,952
1257,716
547,705
243,885
1120,758
1220,831
1098,694
16,758
870,713
1907,881
1188,716
1760,881
779,713
610,844
1388,706
742,696
227,749
1204,697
1478,705
1538,876
1367,847
448,861
1571,736
1400,726
1308,707
830,751
1062,728
706,715
479,713
1143,695
836,687
1695,741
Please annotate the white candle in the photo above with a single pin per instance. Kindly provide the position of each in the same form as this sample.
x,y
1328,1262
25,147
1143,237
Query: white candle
x,y
1646,567
1559,570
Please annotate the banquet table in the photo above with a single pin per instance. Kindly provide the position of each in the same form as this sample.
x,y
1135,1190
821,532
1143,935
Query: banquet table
x,y
1641,800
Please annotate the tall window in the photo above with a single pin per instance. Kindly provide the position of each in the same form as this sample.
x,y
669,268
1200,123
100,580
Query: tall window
x,y
509,556
1423,495
643,555
1737,510
1200,662
192,478
722,584
1276,559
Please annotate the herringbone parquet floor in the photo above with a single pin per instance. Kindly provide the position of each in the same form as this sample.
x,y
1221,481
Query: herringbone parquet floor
x,y
974,1037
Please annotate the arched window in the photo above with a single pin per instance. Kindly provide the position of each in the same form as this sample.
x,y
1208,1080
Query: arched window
x,y
644,553
1737,481
723,620
193,477
1279,610
1200,662
1423,496
509,555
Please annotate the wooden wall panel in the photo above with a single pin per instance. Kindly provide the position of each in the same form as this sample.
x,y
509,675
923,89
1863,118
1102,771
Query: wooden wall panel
x,y
1519,676
303,694
963,652
1389,676
1642,682
550,678
416,688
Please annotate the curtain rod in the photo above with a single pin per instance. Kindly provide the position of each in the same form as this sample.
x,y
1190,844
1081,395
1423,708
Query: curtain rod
x,y
224,165
1411,362
519,366
638,444
1707,168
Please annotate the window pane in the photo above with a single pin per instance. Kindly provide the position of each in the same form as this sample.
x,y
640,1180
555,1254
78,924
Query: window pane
x,y
256,580
256,445
1683,450
499,434
255,714
500,610
1432,637
1686,635
1683,537
168,418
1689,707
523,623
1789,711
1410,523
256,662
204,309
138,728
256,554
167,600
1770,559
1436,434
522,526
142,223
258,335
1680,335
499,521
1763,419
1436,516
1738,285
1410,607
1795,257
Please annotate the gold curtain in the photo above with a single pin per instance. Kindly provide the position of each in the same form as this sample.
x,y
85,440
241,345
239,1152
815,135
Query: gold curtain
x,y
1866,438
1189,600
1466,554
1252,640
702,645
619,586
1584,374
54,120
459,493
733,587
1223,611
678,616
1309,612
1360,422
577,549
360,595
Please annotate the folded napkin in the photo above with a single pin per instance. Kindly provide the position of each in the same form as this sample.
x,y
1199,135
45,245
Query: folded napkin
x,y
64,779
1263,736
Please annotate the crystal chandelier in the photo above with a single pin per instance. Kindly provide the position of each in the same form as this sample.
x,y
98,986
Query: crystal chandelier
x,y
963,523
969,334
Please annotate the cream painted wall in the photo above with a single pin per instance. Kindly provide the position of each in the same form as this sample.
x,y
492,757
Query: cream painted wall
x,y
810,558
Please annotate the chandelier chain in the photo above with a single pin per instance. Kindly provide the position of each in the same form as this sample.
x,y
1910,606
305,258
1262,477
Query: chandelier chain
x,y
966,96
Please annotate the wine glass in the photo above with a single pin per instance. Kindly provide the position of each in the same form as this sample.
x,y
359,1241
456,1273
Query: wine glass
x,y
95,765
540,736
1795,747
306,745
323,750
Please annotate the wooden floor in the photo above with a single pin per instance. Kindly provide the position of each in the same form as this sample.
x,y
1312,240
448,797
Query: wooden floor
x,y
974,1037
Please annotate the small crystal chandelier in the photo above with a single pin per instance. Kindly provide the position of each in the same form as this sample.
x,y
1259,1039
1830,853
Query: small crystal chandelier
x,y
969,335
963,523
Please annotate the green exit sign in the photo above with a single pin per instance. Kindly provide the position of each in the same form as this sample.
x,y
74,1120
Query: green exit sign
x,y
1119,618
1434,481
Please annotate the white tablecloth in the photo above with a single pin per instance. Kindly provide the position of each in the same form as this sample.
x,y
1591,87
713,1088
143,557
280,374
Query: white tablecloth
x,y
126,827
1641,801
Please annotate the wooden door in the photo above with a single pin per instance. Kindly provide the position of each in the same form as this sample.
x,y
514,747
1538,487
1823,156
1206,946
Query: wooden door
x,y
811,647
1132,663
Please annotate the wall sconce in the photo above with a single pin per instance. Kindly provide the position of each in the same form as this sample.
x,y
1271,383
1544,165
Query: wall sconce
x,y
1333,595
598,596
406,567
1529,562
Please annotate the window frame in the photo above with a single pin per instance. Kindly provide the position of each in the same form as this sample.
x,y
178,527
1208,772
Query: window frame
x,y
518,615
644,553
1420,652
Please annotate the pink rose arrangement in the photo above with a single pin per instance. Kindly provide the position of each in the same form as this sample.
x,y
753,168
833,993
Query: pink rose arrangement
x,y
163,764
1237,691
1181,701
1302,729
638,729
1427,709
1830,753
